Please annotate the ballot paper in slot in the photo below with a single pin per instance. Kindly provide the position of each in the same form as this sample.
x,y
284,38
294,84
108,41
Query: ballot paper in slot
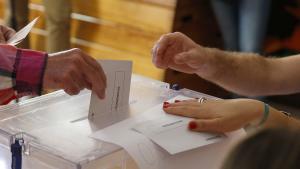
x,y
118,74
22,34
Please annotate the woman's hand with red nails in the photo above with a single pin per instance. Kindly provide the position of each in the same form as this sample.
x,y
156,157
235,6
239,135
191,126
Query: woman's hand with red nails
x,y
218,115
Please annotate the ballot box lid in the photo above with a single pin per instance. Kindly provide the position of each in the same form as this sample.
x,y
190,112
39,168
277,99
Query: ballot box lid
x,y
56,129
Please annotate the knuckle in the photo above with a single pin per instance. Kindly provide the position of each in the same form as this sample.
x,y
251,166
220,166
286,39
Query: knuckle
x,y
165,36
189,111
177,34
77,50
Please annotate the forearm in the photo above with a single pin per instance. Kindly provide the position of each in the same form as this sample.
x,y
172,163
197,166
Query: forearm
x,y
285,74
243,73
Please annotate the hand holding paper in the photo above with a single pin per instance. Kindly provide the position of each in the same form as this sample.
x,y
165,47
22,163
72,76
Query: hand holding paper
x,y
20,35
6,33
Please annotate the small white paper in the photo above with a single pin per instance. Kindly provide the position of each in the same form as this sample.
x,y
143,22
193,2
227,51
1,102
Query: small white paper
x,y
171,133
149,155
21,34
165,129
118,74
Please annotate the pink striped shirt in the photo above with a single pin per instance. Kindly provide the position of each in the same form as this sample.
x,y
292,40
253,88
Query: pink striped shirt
x,y
21,72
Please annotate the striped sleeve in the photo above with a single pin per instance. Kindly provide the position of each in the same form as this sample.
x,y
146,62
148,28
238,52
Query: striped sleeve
x,y
21,72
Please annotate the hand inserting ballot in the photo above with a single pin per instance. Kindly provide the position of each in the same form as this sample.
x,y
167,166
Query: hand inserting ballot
x,y
74,70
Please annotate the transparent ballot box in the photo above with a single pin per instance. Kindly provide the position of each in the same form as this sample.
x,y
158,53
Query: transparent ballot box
x,y
56,130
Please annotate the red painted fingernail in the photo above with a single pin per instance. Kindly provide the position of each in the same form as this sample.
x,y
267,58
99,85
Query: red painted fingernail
x,y
166,103
177,101
192,125
165,106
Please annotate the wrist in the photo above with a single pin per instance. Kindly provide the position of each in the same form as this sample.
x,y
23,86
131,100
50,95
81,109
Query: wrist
x,y
210,59
256,111
264,115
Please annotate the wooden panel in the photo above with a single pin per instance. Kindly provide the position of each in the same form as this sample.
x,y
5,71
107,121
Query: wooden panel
x,y
118,36
145,16
2,9
167,3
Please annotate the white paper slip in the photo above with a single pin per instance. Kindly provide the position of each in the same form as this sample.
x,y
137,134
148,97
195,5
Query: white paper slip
x,y
165,132
149,155
118,74
166,129
21,34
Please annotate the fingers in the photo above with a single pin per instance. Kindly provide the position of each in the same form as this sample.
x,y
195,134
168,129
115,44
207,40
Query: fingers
x,y
96,66
192,58
160,48
73,81
6,33
207,125
188,108
205,122
93,73
94,80
189,111
182,58
73,71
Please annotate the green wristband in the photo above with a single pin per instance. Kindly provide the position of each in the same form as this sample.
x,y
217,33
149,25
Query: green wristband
x,y
265,115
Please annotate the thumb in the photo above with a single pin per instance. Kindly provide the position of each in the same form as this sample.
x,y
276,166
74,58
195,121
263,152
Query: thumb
x,y
192,58
182,57
205,125
9,33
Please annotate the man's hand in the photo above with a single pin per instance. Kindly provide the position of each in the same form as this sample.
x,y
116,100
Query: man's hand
x,y
73,70
178,52
242,73
6,33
